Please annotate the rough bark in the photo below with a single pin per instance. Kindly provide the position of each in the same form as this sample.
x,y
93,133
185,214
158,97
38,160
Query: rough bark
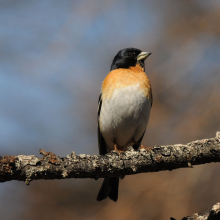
x,y
50,166
211,214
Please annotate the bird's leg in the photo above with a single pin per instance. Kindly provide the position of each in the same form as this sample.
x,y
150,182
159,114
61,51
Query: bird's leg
x,y
116,149
142,146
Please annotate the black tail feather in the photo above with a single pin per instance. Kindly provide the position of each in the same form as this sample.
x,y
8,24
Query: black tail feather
x,y
113,195
109,189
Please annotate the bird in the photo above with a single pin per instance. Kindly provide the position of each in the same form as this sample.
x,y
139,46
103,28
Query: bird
x,y
124,107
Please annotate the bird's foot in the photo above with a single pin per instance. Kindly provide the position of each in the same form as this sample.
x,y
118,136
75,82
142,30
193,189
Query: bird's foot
x,y
146,148
117,150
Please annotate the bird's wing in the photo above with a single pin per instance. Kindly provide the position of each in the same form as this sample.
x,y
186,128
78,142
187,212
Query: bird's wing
x,y
101,141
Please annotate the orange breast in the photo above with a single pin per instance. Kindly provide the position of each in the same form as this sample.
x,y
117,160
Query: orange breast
x,y
121,78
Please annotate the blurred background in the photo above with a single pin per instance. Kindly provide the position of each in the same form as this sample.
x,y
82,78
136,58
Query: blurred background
x,y
54,56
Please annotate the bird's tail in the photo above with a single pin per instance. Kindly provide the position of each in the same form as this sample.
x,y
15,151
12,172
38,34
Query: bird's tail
x,y
109,189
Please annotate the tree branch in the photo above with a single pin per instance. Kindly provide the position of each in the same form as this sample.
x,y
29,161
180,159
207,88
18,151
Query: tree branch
x,y
28,168
211,214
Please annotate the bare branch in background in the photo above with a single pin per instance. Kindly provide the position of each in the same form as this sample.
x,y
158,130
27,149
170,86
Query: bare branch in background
x,y
211,214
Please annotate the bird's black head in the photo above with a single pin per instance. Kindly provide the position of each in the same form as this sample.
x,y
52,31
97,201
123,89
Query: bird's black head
x,y
129,57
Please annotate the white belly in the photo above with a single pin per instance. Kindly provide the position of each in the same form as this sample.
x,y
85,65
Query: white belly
x,y
124,117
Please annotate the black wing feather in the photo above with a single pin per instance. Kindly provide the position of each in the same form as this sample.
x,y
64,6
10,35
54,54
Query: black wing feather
x,y
101,141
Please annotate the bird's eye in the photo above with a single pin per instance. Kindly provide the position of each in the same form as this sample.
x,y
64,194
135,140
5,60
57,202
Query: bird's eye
x,y
129,54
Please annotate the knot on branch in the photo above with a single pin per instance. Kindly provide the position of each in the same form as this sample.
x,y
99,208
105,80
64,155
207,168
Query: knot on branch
x,y
51,157
7,164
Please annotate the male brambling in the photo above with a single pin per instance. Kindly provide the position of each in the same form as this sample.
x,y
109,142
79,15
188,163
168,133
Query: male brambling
x,y
124,109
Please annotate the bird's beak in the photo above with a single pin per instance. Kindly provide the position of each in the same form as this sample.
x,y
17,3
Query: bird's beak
x,y
143,55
